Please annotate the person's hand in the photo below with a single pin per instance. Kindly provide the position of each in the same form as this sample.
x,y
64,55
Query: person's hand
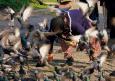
x,y
73,43
75,38
94,22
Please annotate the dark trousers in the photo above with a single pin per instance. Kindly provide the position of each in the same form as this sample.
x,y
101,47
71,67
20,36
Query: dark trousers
x,y
110,5
110,15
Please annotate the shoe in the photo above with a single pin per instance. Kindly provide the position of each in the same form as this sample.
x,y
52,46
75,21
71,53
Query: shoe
x,y
70,61
40,64
50,57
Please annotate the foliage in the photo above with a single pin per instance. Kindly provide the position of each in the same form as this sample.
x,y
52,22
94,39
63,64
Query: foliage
x,y
36,4
15,4
50,0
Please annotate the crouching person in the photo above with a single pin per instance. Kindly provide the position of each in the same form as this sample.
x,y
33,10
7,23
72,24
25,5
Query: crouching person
x,y
68,25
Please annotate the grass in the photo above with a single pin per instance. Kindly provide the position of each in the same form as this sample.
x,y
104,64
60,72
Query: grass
x,y
38,6
50,0
17,5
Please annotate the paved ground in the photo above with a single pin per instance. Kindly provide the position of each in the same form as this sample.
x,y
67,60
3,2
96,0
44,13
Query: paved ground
x,y
36,17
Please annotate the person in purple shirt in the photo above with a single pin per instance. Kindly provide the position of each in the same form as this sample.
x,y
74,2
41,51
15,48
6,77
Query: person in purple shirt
x,y
72,22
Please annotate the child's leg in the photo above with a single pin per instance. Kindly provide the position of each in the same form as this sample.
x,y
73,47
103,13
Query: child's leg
x,y
66,49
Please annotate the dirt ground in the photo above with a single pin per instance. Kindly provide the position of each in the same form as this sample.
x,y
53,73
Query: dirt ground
x,y
81,59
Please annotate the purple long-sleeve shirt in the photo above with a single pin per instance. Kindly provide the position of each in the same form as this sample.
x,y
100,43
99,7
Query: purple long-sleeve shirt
x,y
78,23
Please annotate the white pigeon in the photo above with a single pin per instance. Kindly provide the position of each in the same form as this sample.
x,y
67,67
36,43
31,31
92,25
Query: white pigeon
x,y
27,12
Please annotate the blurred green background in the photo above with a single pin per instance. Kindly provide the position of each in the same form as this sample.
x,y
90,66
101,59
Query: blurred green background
x,y
17,4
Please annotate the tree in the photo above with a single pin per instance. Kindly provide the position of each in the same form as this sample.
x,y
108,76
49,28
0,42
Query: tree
x,y
14,4
39,1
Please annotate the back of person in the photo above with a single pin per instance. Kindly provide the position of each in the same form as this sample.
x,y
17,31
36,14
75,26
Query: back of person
x,y
110,5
